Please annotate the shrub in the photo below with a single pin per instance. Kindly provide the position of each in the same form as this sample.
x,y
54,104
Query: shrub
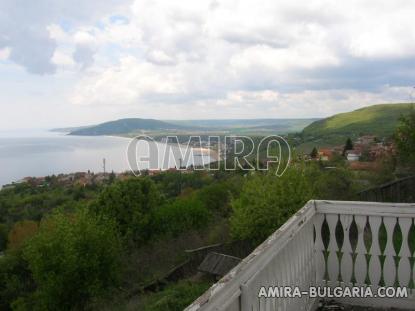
x,y
405,139
16,282
131,203
175,297
266,202
73,259
334,184
216,197
20,232
180,215
3,236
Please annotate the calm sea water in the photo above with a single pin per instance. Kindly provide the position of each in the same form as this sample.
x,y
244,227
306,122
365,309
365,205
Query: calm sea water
x,y
42,153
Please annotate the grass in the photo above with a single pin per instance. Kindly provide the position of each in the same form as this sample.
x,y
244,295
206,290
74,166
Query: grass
x,y
175,297
378,120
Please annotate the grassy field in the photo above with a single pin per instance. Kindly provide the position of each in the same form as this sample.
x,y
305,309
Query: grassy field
x,y
380,120
377,120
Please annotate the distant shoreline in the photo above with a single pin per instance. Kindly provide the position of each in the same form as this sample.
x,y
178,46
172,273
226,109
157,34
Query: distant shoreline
x,y
202,150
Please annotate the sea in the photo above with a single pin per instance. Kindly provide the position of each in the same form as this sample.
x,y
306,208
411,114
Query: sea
x,y
38,153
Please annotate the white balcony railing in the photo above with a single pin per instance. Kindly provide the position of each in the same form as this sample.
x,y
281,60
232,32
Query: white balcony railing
x,y
326,243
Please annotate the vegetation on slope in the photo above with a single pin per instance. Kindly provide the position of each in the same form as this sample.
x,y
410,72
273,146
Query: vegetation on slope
x,y
124,126
82,248
380,120
194,127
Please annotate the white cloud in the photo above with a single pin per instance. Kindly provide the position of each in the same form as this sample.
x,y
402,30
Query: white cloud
x,y
25,27
4,53
248,58
130,82
62,59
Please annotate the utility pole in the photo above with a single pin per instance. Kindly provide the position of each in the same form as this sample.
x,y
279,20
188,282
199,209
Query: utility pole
x,y
180,176
103,165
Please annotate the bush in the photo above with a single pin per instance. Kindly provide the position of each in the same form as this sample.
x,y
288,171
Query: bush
x,y
20,232
334,184
16,281
405,139
3,236
216,197
266,202
73,259
131,203
175,297
180,215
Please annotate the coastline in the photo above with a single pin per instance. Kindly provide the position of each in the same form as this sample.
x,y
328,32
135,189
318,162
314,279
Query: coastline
x,y
203,151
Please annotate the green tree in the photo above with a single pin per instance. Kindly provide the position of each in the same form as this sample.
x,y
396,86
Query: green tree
x,y
348,145
384,170
73,259
405,139
16,283
216,197
314,153
20,232
180,215
3,236
266,202
131,203
334,184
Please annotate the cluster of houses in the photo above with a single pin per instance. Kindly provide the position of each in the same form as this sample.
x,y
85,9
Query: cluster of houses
x,y
183,170
78,178
366,150
88,178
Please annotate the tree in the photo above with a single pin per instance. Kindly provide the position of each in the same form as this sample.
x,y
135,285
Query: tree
x,y
266,202
20,232
3,236
131,203
112,177
216,197
16,281
314,153
405,139
384,172
348,145
334,184
73,259
180,215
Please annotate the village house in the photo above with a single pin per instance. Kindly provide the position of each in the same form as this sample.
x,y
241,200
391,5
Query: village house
x,y
353,155
325,154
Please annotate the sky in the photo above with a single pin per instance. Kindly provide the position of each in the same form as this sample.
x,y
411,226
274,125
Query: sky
x,y
69,63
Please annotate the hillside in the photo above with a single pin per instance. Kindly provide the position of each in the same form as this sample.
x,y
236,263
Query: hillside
x,y
234,126
378,120
124,126
286,124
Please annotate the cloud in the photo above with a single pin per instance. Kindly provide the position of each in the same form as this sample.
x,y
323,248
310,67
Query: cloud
x,y
4,53
130,82
186,58
181,53
24,28
84,55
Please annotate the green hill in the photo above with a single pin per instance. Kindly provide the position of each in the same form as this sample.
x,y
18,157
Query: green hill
x,y
124,126
234,126
380,120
